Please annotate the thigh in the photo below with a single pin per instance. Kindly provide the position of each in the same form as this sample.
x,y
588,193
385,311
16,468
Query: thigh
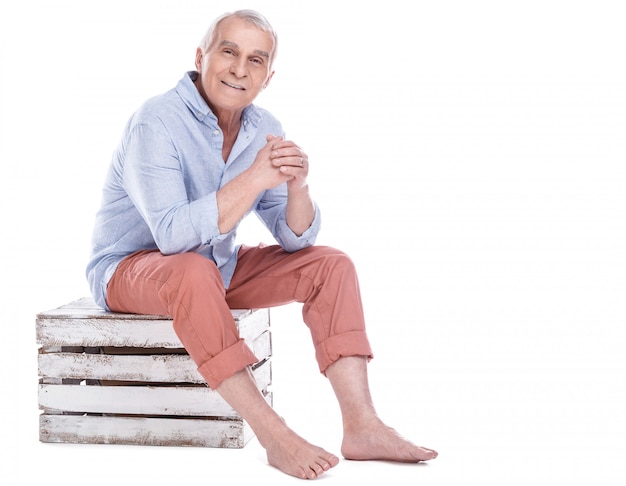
x,y
142,280
268,276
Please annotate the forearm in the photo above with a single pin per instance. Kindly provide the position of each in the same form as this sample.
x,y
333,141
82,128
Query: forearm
x,y
275,164
300,210
234,199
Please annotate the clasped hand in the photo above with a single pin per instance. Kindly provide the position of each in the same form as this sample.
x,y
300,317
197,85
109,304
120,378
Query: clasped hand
x,y
287,161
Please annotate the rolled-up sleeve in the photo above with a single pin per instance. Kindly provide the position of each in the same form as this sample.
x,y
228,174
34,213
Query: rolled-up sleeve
x,y
155,181
272,210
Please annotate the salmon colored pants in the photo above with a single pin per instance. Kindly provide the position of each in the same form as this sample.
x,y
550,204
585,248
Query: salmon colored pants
x,y
189,288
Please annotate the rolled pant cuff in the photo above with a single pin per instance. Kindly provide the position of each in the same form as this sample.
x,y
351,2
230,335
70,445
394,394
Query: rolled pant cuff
x,y
227,363
353,343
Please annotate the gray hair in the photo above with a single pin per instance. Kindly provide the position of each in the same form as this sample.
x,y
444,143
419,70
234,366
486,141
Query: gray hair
x,y
250,16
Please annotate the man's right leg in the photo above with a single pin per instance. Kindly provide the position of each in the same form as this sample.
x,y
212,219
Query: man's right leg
x,y
188,288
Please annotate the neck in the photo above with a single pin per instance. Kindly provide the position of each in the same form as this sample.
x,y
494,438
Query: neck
x,y
229,122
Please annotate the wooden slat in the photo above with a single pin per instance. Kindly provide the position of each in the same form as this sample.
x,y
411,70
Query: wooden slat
x,y
144,431
170,368
84,324
144,400
89,332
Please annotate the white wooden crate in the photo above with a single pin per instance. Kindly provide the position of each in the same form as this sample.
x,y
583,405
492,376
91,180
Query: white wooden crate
x,y
110,378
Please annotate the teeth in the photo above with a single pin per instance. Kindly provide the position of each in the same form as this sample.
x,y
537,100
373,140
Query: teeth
x,y
232,85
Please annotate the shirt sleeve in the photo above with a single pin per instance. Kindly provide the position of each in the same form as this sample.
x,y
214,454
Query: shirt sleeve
x,y
272,210
154,180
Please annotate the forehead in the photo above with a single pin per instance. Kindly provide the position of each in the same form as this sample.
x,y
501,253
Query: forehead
x,y
243,33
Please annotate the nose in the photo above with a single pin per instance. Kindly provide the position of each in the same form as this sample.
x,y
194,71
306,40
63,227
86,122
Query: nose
x,y
238,67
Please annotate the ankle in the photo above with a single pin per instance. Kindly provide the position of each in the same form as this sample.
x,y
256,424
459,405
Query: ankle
x,y
357,422
271,430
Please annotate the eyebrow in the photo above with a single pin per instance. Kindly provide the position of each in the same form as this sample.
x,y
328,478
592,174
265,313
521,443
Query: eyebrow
x,y
258,52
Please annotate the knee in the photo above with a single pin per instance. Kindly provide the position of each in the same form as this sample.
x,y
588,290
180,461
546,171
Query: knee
x,y
334,259
335,255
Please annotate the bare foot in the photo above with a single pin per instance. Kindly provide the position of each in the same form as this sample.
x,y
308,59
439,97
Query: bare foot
x,y
295,456
376,441
285,449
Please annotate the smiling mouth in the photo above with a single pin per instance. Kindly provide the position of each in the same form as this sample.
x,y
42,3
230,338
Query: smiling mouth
x,y
235,86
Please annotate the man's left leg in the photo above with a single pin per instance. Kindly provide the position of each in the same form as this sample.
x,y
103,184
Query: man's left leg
x,y
323,279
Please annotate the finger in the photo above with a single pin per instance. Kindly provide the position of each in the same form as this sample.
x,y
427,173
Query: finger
x,y
282,150
297,169
294,161
271,138
278,143
288,156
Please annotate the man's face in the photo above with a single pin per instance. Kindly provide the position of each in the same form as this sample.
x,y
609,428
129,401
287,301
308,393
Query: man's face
x,y
236,67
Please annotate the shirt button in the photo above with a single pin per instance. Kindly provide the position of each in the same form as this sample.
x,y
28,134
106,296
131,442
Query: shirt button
x,y
216,132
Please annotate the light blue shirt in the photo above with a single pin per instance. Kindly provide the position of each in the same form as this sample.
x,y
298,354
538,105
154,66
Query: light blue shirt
x,y
160,190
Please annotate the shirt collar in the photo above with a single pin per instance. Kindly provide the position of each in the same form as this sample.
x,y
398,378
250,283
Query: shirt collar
x,y
188,92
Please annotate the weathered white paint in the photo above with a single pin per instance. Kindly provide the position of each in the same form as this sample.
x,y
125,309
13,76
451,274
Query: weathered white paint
x,y
126,379
169,368
194,400
89,429
82,323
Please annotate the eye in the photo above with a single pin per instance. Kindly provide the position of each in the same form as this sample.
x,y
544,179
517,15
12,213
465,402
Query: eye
x,y
257,60
229,52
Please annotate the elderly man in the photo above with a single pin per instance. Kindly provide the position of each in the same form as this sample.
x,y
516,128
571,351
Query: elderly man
x,y
192,163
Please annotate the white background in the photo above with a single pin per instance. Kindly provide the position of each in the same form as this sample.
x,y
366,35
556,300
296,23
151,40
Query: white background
x,y
470,156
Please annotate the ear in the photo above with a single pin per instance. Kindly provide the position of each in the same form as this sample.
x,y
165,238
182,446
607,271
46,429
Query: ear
x,y
198,59
267,81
